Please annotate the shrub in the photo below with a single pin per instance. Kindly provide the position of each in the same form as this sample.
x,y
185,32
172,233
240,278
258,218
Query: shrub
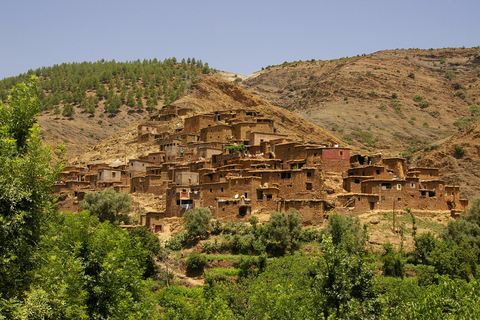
x,y
197,222
176,242
68,110
197,261
459,150
460,94
417,98
424,104
216,226
393,264
411,75
394,95
475,110
449,74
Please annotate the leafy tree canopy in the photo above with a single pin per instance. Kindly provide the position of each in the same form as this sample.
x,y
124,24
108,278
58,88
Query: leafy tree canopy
x,y
108,205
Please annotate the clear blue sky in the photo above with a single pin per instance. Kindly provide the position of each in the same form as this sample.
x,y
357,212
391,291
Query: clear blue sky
x,y
237,36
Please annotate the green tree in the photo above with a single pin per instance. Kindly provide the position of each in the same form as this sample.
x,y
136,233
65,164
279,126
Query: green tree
x,y
26,177
68,110
131,99
283,231
151,243
197,222
344,284
108,205
393,264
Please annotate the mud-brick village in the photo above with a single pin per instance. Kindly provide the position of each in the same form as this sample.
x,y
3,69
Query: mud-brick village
x,y
242,161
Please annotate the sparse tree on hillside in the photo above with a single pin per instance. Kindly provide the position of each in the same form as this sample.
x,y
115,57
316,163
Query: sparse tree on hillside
x,y
68,110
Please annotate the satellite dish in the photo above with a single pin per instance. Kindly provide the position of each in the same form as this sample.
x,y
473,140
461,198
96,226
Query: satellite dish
x,y
236,196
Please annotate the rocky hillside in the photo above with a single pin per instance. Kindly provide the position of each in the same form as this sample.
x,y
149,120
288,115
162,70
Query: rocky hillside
x,y
207,94
394,101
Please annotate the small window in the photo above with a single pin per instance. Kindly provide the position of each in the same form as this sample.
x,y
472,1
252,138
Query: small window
x,y
357,181
309,173
341,153
412,185
309,186
378,171
211,190
399,186
221,189
399,199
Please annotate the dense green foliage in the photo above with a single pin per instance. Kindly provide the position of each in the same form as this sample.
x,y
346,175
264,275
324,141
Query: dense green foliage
x,y
26,177
110,84
60,265
197,222
108,205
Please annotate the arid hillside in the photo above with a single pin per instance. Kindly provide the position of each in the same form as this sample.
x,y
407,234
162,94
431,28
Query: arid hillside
x,y
207,94
393,101
458,159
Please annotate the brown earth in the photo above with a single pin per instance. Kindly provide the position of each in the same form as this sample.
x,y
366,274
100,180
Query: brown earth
x,y
206,95
458,160
354,95
84,130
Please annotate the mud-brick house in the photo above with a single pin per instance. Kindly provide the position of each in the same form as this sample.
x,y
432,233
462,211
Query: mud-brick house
x,y
147,132
354,176
185,178
153,220
195,123
335,159
218,133
181,198
312,210
396,166
156,157
138,165
234,197
242,130
292,181
109,177
423,173
256,138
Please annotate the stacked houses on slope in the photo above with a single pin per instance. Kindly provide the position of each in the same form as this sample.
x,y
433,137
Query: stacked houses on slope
x,y
235,163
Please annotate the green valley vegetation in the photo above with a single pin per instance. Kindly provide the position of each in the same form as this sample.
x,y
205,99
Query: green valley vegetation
x,y
108,85
60,265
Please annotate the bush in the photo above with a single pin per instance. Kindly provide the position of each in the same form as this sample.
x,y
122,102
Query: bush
x,y
68,110
108,205
393,264
197,261
216,227
417,98
424,104
411,75
459,150
176,242
309,235
197,222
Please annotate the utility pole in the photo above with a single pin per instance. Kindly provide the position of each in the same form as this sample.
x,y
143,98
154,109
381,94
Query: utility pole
x,y
393,212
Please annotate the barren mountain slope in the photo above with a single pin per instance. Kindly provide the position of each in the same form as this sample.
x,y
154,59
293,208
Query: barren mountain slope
x,y
394,100
458,159
207,94
84,130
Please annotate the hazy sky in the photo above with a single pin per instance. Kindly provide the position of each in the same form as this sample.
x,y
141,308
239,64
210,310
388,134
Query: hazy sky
x,y
237,36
